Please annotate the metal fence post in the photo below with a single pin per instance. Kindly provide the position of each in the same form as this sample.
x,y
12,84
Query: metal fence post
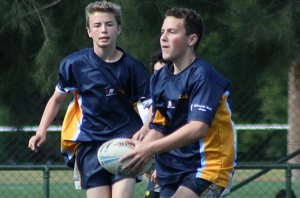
x,y
46,176
288,183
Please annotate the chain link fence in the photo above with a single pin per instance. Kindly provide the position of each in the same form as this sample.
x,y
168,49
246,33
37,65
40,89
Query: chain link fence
x,y
266,162
43,174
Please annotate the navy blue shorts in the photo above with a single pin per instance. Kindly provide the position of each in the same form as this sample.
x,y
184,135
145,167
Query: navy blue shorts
x,y
153,190
92,174
199,186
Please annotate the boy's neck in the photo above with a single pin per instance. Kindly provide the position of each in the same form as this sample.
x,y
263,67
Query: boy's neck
x,y
183,62
108,54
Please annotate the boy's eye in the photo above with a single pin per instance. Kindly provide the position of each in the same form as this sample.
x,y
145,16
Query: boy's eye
x,y
172,31
97,25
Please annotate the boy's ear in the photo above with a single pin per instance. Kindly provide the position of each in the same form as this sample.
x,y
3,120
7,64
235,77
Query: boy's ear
x,y
193,38
89,32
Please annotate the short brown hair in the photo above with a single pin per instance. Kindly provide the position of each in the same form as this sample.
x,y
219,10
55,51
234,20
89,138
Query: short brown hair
x,y
192,21
103,6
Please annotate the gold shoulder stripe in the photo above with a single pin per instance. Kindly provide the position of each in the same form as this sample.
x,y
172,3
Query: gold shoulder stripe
x,y
183,96
159,119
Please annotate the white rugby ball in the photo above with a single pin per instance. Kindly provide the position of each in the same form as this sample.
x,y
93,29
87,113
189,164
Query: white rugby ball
x,y
111,151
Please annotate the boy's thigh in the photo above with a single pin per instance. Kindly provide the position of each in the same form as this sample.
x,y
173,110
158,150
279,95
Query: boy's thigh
x,y
92,174
190,185
124,188
201,187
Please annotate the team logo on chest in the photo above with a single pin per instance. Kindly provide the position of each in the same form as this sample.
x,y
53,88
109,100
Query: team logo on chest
x,y
114,91
170,104
110,92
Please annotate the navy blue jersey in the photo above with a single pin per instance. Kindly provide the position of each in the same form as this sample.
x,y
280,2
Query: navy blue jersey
x,y
198,93
104,96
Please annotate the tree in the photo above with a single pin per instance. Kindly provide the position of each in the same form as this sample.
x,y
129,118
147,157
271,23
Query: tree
x,y
22,35
38,34
263,36
245,40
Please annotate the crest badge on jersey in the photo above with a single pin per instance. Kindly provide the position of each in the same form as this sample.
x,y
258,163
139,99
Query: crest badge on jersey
x,y
171,104
110,92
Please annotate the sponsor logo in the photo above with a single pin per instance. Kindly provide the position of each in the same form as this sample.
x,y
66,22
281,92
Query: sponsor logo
x,y
170,104
110,92
199,107
114,91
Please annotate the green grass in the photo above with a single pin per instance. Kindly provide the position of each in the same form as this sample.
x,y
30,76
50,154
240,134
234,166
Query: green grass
x,y
34,190
262,189
252,190
27,184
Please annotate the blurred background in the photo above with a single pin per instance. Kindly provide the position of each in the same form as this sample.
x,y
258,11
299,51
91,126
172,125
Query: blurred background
x,y
253,43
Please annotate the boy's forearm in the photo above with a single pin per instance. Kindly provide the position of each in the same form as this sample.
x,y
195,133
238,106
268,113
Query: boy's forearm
x,y
49,114
185,135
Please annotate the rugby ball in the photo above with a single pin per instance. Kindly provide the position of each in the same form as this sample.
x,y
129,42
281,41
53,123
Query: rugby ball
x,y
111,151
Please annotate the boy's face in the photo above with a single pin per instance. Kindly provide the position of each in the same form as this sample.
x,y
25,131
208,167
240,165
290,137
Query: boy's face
x,y
173,40
103,29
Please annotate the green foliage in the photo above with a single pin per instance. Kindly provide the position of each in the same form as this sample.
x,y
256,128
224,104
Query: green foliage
x,y
273,95
251,42
21,40
45,74
13,150
261,146
254,38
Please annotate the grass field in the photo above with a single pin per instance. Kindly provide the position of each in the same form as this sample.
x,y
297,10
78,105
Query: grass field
x,y
27,184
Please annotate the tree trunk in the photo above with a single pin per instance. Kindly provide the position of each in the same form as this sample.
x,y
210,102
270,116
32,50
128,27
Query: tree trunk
x,y
294,113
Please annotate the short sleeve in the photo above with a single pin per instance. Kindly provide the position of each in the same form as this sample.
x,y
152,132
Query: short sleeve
x,y
159,119
66,82
205,96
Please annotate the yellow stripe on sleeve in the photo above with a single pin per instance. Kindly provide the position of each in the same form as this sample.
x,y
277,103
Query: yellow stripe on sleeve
x,y
159,118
